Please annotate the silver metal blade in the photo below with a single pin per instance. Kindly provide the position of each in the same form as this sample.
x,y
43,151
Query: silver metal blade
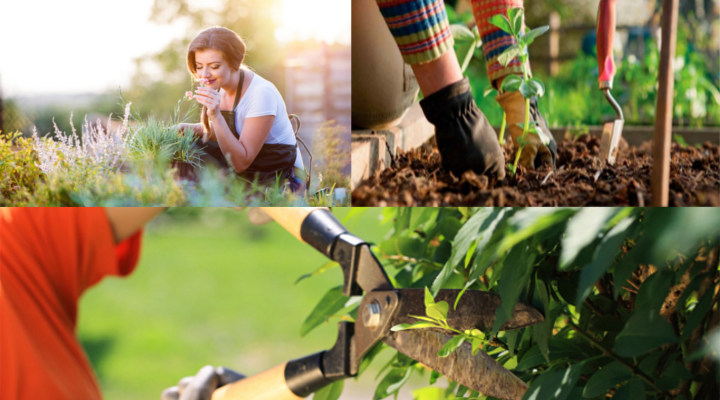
x,y
479,372
612,131
476,310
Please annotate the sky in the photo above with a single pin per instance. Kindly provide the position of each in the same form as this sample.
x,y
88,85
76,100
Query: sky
x,y
88,46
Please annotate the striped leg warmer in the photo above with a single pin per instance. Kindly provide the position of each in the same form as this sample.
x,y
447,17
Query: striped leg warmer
x,y
495,41
420,28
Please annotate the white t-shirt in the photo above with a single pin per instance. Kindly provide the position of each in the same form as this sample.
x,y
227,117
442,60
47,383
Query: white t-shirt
x,y
260,99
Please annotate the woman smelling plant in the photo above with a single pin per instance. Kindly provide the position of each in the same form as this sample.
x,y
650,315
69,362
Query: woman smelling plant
x,y
244,124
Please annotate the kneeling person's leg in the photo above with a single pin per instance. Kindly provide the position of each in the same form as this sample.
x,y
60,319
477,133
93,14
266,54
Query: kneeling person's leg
x,y
465,138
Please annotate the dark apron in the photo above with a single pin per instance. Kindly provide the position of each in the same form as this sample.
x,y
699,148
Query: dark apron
x,y
274,160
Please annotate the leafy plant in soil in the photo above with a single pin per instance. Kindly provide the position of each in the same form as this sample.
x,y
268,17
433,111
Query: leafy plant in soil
x,y
630,297
528,87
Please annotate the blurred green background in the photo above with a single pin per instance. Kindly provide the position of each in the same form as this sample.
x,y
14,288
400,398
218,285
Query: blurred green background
x,y
211,288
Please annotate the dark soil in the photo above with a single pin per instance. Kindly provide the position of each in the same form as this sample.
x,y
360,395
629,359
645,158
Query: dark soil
x,y
417,179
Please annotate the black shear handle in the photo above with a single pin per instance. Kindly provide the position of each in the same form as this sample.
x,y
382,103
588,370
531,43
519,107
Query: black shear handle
x,y
315,226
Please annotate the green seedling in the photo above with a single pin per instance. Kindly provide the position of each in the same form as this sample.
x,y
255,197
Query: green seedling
x,y
527,86
436,317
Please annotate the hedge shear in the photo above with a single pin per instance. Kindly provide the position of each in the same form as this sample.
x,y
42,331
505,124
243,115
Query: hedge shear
x,y
382,307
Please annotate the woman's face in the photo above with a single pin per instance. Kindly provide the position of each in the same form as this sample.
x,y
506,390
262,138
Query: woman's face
x,y
211,65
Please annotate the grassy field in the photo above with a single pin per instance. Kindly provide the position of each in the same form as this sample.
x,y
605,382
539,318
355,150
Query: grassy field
x,y
211,289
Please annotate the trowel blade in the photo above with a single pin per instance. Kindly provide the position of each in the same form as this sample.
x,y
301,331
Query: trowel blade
x,y
612,131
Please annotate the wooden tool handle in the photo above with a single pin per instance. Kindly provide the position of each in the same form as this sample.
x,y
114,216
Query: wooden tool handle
x,y
268,385
291,218
314,226
605,39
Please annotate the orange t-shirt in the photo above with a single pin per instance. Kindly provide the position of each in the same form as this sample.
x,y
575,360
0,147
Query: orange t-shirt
x,y
48,258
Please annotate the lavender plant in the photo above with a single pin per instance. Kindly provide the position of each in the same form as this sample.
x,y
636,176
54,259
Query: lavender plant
x,y
97,148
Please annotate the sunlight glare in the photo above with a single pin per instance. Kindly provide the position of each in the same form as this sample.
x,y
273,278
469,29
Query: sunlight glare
x,y
321,20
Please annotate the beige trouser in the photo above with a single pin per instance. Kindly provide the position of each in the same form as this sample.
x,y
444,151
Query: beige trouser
x,y
383,87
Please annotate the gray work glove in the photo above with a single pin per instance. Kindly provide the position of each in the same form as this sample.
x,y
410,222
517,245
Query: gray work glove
x,y
202,385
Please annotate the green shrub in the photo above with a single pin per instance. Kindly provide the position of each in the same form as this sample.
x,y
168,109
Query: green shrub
x,y
18,168
629,295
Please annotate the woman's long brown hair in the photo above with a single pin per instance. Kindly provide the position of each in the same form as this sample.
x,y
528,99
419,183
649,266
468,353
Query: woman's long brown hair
x,y
226,42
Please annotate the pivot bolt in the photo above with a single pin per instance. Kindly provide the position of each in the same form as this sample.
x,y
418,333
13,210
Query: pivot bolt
x,y
371,315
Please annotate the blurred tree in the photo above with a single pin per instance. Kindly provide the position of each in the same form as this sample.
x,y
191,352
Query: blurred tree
x,y
331,157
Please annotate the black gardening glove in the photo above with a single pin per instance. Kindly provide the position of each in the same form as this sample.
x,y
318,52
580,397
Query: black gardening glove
x,y
464,136
202,385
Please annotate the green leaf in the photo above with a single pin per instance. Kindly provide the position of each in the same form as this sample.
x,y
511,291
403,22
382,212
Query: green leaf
x,y
673,375
332,302
327,266
532,358
603,257
644,331
511,83
426,218
534,34
515,276
470,252
512,338
417,325
527,90
531,221
429,299
451,345
537,86
392,382
543,331
634,390
370,356
330,392
582,229
402,219
461,33
607,378
438,311
697,315
557,386
515,16
488,90
434,375
545,137
509,54
654,290
501,22
466,235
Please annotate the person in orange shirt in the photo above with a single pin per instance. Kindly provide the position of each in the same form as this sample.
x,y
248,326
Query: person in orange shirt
x,y
48,259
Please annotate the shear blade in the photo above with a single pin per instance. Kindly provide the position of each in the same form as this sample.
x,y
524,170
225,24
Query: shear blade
x,y
478,372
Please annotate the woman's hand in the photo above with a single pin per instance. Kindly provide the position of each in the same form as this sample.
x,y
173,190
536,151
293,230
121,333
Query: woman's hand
x,y
209,98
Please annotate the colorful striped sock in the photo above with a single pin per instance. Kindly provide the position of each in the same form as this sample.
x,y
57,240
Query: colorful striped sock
x,y
495,41
420,28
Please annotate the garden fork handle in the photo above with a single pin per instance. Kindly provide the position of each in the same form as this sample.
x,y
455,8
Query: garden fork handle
x,y
605,36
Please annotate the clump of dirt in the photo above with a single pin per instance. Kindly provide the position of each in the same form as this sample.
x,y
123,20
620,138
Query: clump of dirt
x,y
417,179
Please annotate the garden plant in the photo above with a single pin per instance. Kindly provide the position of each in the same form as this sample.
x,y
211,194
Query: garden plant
x,y
629,296
135,164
